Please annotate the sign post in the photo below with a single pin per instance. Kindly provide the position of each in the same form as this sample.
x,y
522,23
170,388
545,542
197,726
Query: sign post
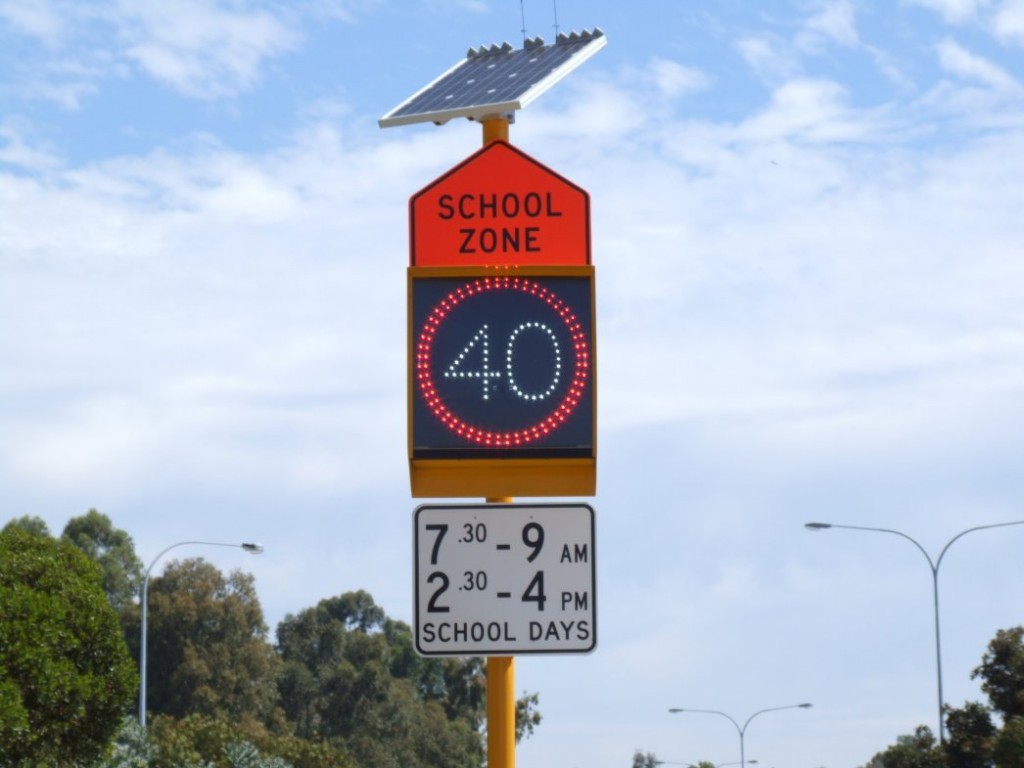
x,y
502,403
502,381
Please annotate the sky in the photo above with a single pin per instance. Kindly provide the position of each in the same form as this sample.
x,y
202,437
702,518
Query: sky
x,y
806,235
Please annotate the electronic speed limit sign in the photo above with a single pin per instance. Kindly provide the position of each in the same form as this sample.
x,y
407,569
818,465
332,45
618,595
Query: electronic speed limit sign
x,y
502,367
504,579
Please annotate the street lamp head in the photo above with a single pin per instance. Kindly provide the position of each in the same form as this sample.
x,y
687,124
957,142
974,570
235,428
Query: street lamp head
x,y
676,710
252,549
806,705
817,526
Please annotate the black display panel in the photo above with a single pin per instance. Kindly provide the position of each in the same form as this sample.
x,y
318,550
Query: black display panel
x,y
502,367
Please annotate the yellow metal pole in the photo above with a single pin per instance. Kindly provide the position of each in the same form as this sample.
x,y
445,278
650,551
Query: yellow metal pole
x,y
501,712
501,672
495,128
501,702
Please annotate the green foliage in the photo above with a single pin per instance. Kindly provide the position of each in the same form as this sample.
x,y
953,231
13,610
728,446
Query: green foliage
x,y
113,550
66,678
219,743
1009,746
971,736
132,748
974,740
1002,669
644,760
355,692
34,525
350,677
527,715
194,739
242,754
917,751
207,653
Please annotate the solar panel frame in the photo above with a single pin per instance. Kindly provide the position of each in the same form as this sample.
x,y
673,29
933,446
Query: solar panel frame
x,y
496,81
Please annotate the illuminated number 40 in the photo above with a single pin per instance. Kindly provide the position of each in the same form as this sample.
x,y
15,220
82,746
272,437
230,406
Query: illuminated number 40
x,y
478,350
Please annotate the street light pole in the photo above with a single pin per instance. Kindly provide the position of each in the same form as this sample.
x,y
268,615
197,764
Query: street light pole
x,y
742,730
934,566
253,549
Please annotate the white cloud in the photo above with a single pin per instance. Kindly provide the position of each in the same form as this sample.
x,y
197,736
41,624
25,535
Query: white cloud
x,y
768,57
673,79
957,60
201,49
1009,22
837,22
448,6
16,150
342,10
807,110
36,18
953,11
255,266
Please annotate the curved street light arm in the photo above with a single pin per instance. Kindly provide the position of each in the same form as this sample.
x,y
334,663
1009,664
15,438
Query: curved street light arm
x,y
825,526
741,730
949,543
676,710
773,709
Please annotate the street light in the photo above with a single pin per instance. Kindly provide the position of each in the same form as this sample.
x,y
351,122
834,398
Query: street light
x,y
253,549
741,730
934,565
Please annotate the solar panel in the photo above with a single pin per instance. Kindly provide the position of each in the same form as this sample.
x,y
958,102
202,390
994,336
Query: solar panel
x,y
497,80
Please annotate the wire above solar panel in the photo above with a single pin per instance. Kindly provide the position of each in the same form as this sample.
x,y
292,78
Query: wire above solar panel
x,y
497,80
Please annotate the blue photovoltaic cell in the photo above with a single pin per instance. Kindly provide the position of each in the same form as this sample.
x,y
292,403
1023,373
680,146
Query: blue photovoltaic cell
x,y
496,80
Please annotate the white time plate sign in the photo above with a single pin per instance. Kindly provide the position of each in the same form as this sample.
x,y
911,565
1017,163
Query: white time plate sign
x,y
504,579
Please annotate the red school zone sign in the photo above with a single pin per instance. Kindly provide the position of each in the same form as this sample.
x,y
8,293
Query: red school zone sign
x,y
499,207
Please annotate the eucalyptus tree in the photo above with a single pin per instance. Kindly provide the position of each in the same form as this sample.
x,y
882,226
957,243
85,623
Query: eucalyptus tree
x,y
114,551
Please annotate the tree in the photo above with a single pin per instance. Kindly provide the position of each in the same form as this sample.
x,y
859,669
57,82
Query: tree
x,y
971,736
974,739
207,653
528,716
66,678
215,742
34,525
1002,672
1009,745
132,748
113,549
1002,669
917,751
650,760
351,676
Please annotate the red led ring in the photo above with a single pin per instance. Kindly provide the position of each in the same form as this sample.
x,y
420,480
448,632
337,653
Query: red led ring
x,y
488,438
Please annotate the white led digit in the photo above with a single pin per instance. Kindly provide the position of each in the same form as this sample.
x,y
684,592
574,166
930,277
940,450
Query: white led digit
x,y
509,363
457,371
